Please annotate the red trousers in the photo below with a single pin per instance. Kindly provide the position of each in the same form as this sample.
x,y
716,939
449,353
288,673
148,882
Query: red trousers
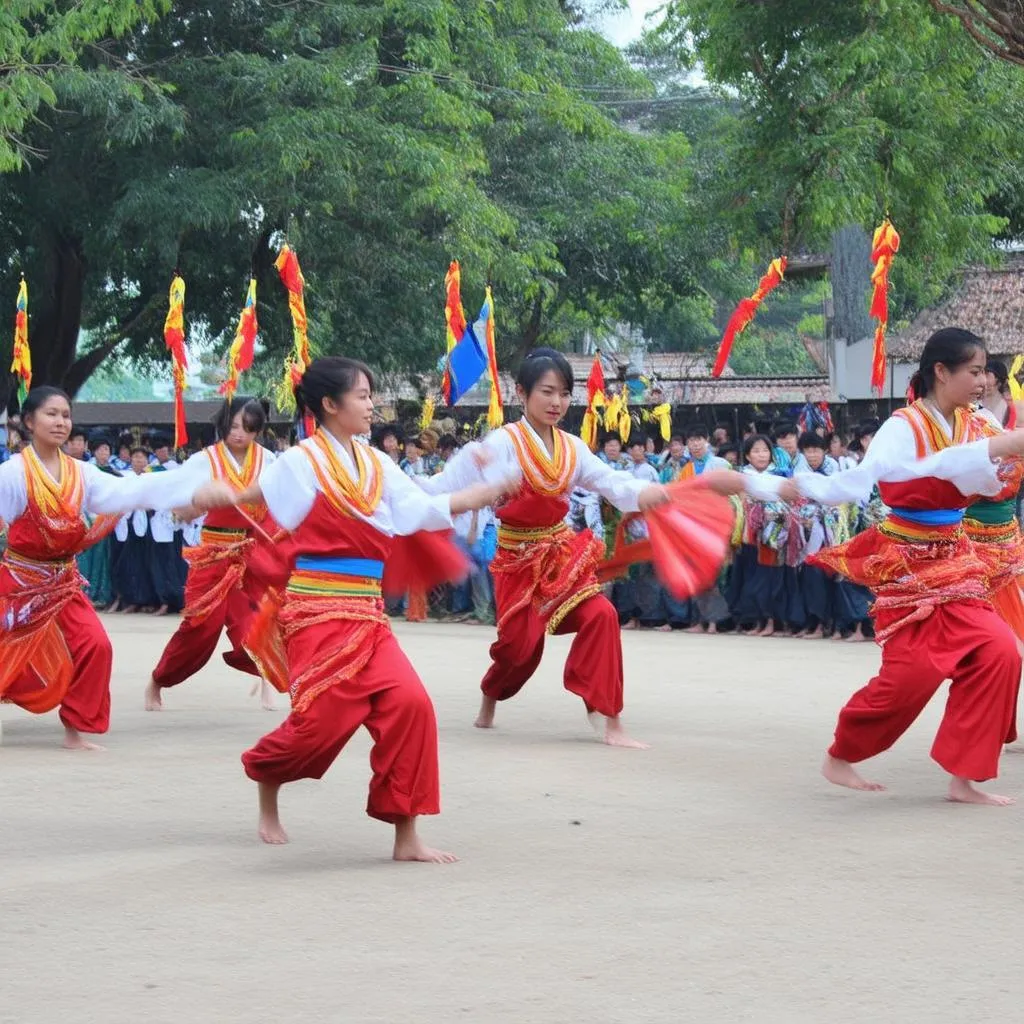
x,y
196,639
389,699
86,705
593,669
964,641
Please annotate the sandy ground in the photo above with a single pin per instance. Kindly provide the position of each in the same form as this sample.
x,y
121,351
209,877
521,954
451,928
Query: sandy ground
x,y
713,878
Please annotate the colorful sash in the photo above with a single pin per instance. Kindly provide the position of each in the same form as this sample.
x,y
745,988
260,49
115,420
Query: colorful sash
x,y
222,465
550,475
347,496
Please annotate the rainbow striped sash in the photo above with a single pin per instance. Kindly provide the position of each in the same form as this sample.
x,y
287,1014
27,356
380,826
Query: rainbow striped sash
x,y
336,577
923,526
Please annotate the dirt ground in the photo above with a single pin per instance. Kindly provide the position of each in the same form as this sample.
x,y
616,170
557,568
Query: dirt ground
x,y
714,878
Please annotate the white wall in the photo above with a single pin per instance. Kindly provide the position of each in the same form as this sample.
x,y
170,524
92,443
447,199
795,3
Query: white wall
x,y
850,371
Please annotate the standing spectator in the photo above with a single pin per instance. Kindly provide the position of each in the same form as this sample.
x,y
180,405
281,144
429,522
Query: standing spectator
x,y
611,452
429,439
699,451
785,437
162,455
413,464
76,445
673,463
96,563
721,436
122,461
390,442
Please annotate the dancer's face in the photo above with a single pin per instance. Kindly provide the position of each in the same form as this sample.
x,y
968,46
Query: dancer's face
x,y
351,413
239,439
549,400
961,385
51,422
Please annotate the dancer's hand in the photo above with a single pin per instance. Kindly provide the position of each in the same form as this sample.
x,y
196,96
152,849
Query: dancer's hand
x,y
478,496
186,514
724,481
788,491
652,496
214,494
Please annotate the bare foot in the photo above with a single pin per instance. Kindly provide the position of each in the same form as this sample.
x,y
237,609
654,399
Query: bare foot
x,y
129,609
856,638
485,719
409,846
115,606
665,628
154,702
632,624
162,610
696,628
271,830
813,634
613,734
842,773
712,629
768,630
74,740
962,791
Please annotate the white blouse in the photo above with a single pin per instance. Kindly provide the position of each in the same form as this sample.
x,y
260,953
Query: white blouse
x,y
290,487
104,494
620,488
892,458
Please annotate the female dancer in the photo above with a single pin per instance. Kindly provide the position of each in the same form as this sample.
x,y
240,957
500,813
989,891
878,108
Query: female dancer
x,y
345,504
932,612
220,593
53,649
544,578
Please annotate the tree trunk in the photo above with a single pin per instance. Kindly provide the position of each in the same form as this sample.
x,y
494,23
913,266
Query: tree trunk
x,y
55,326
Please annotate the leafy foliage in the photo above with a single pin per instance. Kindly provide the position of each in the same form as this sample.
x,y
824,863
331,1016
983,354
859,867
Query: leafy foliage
x,y
852,111
384,139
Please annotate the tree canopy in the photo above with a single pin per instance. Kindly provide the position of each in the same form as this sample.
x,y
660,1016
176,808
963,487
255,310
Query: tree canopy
x,y
848,114
383,140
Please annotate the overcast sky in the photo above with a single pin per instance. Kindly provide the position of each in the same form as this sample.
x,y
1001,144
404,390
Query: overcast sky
x,y
625,27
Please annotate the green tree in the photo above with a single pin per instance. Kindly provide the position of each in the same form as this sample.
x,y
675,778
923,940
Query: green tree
x,y
995,25
40,43
876,108
382,141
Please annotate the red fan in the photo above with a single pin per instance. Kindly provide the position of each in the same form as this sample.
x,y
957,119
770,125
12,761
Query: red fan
x,y
423,561
688,540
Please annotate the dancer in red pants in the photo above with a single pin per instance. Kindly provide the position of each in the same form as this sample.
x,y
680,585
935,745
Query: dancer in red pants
x,y
933,616
345,506
53,649
544,574
220,592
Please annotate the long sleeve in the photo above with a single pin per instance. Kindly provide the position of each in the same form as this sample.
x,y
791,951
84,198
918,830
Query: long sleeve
x,y
618,487
411,508
891,458
112,495
289,488
459,471
13,495
462,469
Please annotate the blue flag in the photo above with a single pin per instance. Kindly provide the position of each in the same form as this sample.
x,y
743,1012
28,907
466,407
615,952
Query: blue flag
x,y
467,363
